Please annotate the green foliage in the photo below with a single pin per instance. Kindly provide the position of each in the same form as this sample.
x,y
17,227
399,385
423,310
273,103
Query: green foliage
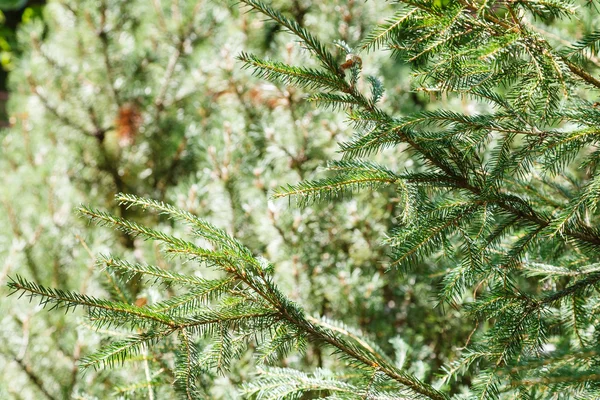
x,y
495,217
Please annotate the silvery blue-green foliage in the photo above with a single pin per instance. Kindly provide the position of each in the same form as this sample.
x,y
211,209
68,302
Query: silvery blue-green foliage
x,y
147,97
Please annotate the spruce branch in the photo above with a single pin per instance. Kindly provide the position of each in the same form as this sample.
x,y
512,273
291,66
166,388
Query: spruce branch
x,y
185,373
202,227
71,300
192,300
329,188
308,39
381,35
130,270
287,74
273,308
334,101
575,69
287,382
118,351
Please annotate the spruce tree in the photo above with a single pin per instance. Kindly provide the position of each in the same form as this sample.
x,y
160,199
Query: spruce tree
x,y
497,208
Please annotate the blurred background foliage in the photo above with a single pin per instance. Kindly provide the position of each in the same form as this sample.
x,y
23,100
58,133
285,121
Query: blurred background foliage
x,y
12,14
147,97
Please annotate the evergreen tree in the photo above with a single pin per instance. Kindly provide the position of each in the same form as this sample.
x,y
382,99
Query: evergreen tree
x,y
497,208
